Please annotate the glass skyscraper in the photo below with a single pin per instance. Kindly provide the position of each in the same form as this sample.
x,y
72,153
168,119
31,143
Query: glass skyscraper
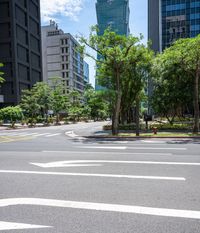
x,y
113,14
172,19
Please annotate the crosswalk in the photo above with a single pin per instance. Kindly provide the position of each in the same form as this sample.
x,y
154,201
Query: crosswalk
x,y
18,136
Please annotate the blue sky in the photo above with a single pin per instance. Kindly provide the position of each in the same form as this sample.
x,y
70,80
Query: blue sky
x,y
76,16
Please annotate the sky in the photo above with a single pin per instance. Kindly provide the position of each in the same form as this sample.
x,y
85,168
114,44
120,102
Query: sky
x,y
76,17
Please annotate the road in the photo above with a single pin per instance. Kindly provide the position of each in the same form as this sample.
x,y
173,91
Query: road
x,y
55,180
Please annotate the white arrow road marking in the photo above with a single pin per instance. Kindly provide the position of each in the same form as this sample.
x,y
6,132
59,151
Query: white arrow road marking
x,y
95,175
74,163
102,207
73,135
16,226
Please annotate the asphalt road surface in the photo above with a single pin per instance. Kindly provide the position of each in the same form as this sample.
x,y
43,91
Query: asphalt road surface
x,y
53,180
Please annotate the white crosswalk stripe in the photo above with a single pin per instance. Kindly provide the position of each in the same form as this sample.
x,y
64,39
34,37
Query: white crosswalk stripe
x,y
25,134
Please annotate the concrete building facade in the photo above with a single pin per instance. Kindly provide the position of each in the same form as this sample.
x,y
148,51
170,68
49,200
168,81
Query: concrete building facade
x,y
61,58
169,20
20,48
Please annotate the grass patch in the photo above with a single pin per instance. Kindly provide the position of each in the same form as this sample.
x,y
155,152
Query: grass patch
x,y
160,134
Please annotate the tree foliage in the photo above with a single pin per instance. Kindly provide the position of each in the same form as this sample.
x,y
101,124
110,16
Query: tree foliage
x,y
60,100
11,114
177,72
120,67
96,106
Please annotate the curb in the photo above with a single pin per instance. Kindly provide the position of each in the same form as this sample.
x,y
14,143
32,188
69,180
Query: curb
x,y
141,137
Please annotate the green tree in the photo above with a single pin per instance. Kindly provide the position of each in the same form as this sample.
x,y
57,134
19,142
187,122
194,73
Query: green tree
x,y
11,114
29,104
60,100
96,105
181,63
37,101
138,66
76,105
114,51
42,92
172,94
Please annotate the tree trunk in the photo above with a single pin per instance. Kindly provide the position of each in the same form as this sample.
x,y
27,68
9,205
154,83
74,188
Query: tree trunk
x,y
196,104
57,118
137,116
115,123
118,98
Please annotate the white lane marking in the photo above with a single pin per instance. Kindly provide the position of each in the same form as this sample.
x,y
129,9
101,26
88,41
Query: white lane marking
x,y
52,135
44,165
27,134
100,152
164,212
105,147
156,148
17,226
95,175
119,142
132,148
41,134
68,163
73,135
154,142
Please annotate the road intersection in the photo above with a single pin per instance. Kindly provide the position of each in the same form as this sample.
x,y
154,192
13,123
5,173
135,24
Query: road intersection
x,y
61,184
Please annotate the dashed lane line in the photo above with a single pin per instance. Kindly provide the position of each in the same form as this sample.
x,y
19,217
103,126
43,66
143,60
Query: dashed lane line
x,y
52,135
4,226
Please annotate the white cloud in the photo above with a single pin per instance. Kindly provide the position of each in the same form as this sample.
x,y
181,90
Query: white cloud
x,y
50,9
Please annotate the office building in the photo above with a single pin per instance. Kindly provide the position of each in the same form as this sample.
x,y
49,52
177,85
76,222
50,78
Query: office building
x,y
86,72
20,47
169,20
113,14
61,58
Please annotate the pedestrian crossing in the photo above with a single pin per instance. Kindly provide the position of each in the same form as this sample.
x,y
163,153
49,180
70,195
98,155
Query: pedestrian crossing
x,y
19,136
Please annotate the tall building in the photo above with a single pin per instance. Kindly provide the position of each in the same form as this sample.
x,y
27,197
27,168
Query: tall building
x,y
169,20
20,47
113,14
61,58
86,72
